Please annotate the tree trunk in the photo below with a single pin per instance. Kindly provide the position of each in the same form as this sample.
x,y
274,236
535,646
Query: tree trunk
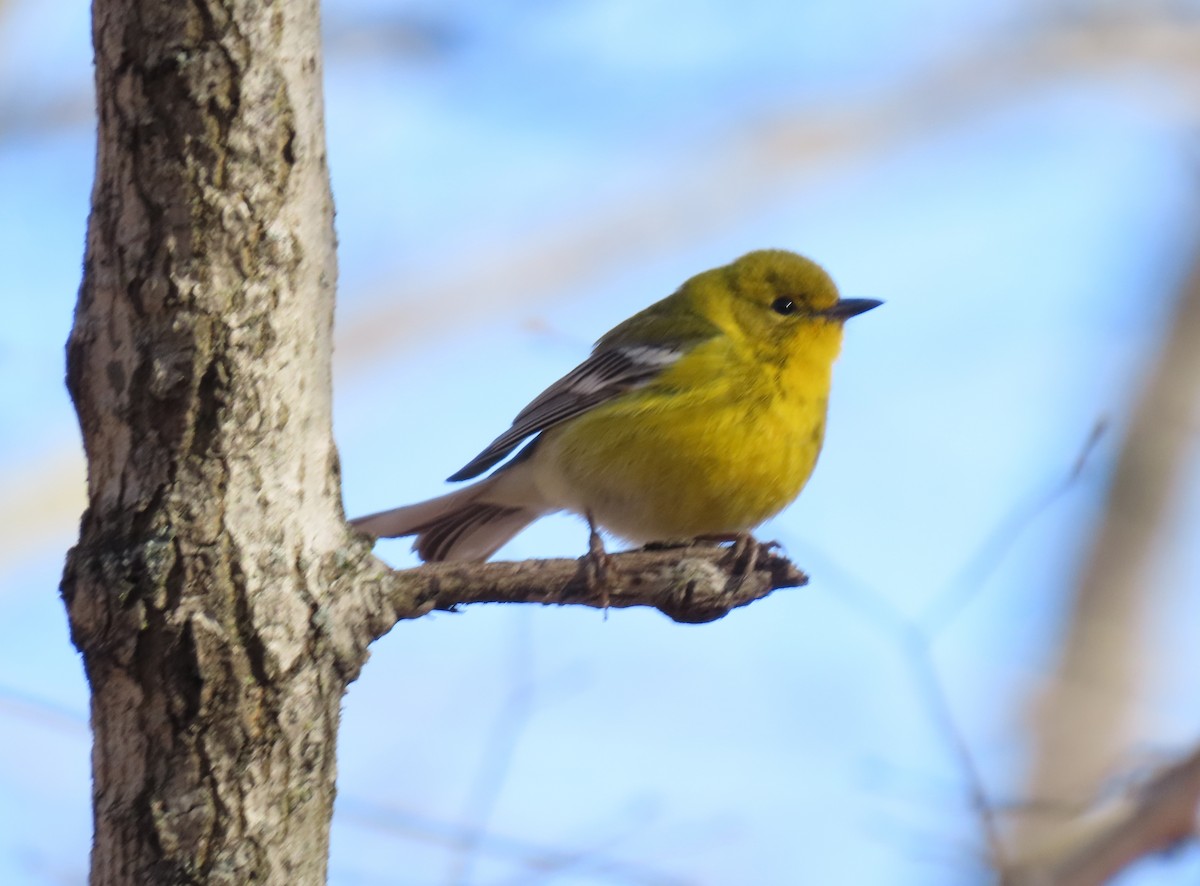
x,y
199,366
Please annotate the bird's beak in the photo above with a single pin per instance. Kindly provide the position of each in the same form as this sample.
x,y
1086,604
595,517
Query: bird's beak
x,y
851,307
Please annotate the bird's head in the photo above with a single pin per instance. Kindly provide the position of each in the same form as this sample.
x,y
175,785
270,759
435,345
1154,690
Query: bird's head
x,y
779,303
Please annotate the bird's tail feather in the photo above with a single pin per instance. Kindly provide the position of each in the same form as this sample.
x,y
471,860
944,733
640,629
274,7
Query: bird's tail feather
x,y
462,525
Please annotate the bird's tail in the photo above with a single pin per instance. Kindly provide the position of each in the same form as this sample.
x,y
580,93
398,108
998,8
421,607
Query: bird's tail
x,y
464,525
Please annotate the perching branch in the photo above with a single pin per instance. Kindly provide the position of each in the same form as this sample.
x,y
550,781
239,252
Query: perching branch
x,y
691,585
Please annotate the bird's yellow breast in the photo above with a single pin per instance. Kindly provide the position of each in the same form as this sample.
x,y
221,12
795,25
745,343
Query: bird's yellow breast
x,y
718,444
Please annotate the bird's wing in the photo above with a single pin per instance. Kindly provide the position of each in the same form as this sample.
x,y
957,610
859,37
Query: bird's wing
x,y
608,372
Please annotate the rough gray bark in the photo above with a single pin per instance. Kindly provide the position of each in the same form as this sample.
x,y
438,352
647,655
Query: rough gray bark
x,y
218,599
199,365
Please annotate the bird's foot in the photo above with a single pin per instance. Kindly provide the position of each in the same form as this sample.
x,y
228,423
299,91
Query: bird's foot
x,y
744,556
597,567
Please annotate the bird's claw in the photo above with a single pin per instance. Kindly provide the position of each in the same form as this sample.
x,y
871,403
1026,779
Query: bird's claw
x,y
743,557
596,567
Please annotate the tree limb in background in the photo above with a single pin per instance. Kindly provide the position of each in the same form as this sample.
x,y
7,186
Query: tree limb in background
x,y
741,170
1085,720
1094,847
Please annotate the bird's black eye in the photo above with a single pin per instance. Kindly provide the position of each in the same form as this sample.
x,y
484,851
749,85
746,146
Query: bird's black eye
x,y
783,306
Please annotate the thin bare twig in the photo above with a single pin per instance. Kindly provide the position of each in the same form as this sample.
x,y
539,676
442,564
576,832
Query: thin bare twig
x,y
499,746
916,635
916,646
42,711
988,555
533,856
929,684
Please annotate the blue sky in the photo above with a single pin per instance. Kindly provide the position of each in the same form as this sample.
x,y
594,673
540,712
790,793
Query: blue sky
x,y
512,179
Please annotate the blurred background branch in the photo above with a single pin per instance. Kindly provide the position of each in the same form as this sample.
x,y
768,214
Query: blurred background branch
x,y
1084,722
1092,848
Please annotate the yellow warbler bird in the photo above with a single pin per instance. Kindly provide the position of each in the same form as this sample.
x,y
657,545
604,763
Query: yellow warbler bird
x,y
702,415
